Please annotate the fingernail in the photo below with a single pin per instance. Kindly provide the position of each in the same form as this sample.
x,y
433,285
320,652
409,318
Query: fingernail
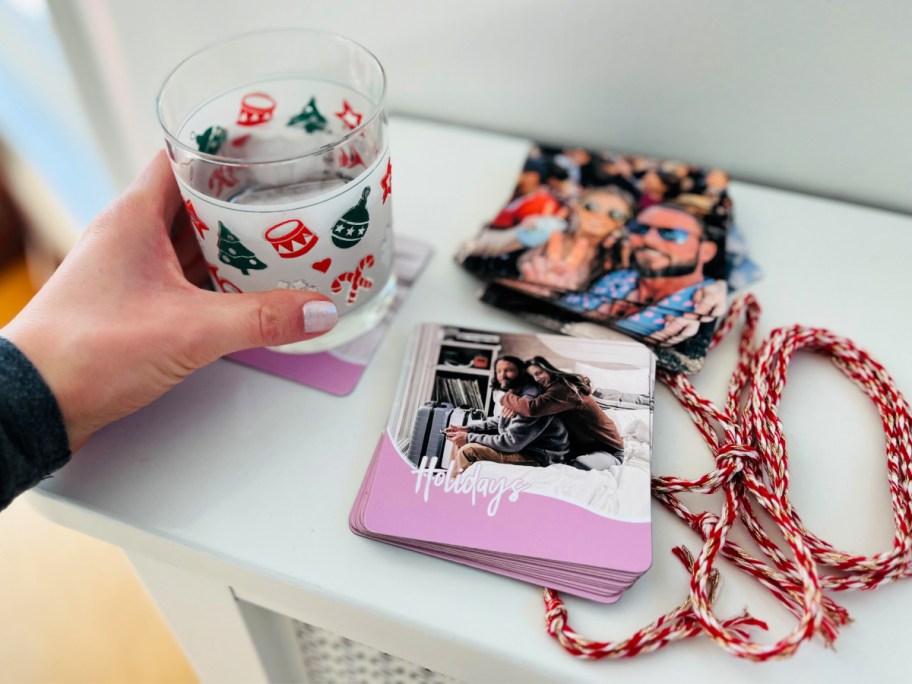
x,y
319,316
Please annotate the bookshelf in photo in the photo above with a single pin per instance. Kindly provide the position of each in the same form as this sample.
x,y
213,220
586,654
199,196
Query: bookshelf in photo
x,y
458,390
448,365
464,368
461,364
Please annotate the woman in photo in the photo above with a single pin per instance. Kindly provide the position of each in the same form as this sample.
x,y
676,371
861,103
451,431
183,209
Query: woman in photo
x,y
569,395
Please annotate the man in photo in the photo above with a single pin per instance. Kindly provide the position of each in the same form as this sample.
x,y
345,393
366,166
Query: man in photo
x,y
665,296
518,440
569,396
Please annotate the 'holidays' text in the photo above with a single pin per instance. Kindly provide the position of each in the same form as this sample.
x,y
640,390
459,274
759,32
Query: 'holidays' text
x,y
467,482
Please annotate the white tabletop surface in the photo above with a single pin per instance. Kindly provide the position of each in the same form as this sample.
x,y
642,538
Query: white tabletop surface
x,y
258,474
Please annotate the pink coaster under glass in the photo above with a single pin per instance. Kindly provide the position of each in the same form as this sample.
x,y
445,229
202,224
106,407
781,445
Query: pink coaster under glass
x,y
338,370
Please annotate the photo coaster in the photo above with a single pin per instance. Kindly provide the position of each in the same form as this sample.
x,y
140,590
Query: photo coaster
x,y
624,241
527,455
337,371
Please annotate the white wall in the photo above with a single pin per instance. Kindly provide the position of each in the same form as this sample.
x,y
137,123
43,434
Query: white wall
x,y
812,95
50,144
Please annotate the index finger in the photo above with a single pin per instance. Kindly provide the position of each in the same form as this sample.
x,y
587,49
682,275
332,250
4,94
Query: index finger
x,y
157,186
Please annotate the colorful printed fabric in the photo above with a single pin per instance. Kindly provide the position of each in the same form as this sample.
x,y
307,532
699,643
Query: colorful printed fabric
x,y
618,285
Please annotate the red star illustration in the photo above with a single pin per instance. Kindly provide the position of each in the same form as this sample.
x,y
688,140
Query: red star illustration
x,y
353,160
195,220
349,117
387,181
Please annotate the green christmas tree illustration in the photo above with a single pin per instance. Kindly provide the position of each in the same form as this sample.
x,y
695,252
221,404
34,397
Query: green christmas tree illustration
x,y
210,141
310,118
234,253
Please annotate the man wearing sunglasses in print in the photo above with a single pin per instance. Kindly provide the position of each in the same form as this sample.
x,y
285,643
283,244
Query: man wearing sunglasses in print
x,y
665,296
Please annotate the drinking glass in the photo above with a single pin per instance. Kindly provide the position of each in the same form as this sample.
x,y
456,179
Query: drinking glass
x,y
278,140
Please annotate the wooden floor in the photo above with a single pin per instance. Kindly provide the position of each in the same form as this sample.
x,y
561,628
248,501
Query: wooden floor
x,y
71,608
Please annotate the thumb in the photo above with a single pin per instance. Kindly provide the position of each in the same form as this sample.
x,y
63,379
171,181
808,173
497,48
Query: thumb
x,y
266,319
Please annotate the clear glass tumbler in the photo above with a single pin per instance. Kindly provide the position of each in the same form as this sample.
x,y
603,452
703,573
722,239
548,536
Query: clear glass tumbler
x,y
278,140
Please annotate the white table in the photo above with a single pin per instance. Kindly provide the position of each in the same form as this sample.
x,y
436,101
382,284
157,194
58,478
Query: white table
x,y
231,494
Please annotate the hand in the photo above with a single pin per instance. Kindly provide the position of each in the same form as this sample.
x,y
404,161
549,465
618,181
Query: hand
x,y
709,304
119,323
709,301
676,329
507,413
563,264
458,438
454,429
491,243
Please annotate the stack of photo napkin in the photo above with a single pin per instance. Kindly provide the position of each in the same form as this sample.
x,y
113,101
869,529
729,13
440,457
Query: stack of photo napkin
x,y
527,455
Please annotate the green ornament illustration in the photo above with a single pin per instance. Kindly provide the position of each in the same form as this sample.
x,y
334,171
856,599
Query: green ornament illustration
x,y
210,141
349,229
310,118
234,253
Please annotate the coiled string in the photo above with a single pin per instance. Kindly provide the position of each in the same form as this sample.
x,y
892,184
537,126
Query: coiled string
x,y
751,470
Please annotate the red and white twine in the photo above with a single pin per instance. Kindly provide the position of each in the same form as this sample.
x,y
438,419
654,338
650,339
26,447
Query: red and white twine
x,y
747,441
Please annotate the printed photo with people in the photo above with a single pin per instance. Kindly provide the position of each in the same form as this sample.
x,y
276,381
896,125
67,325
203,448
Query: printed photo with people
x,y
572,417
628,241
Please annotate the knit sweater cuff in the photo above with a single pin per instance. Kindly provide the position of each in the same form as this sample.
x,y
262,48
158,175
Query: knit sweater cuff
x,y
33,438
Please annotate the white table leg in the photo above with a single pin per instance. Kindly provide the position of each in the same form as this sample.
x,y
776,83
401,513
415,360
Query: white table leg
x,y
218,634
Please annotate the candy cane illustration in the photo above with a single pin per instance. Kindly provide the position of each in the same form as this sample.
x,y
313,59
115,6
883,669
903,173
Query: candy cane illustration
x,y
224,284
356,279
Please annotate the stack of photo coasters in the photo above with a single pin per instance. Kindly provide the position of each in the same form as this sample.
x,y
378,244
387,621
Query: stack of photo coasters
x,y
621,241
527,455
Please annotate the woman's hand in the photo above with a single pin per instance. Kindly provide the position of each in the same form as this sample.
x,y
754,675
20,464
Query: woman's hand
x,y
119,323
564,263
710,300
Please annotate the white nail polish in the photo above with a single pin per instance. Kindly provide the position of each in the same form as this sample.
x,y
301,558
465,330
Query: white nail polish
x,y
319,316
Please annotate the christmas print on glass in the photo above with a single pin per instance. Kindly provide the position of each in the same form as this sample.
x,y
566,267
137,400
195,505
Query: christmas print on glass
x,y
310,118
221,283
350,160
299,285
350,118
195,220
233,253
223,179
314,230
513,452
351,227
356,279
256,109
323,265
630,242
386,183
210,141
291,238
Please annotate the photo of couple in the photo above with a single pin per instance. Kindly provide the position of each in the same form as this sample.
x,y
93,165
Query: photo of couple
x,y
569,418
543,415
623,240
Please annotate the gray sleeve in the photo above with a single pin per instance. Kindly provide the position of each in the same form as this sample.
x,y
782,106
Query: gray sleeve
x,y
33,439
489,426
519,434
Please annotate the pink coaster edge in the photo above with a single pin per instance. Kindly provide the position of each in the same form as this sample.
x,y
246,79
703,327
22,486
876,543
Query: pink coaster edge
x,y
322,370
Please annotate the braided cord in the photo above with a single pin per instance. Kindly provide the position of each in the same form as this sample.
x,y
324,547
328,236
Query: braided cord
x,y
747,441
